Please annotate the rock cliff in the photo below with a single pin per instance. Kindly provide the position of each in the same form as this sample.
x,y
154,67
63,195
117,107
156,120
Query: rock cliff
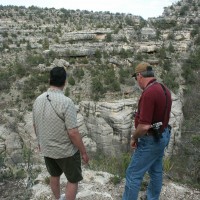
x,y
99,51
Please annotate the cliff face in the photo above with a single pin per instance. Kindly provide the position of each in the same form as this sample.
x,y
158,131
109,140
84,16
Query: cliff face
x,y
99,51
107,126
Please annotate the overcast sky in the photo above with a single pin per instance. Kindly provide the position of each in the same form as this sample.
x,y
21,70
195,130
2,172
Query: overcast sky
x,y
143,8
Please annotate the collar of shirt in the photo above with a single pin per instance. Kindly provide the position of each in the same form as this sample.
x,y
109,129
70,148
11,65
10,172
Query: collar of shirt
x,y
150,83
55,90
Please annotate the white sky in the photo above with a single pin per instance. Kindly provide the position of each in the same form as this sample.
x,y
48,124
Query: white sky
x,y
143,8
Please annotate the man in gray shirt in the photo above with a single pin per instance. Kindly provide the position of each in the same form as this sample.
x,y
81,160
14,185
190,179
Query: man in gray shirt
x,y
55,125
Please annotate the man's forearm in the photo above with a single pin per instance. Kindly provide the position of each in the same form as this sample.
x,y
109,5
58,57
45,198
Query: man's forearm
x,y
76,139
140,131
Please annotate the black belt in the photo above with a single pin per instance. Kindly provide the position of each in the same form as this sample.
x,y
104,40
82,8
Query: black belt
x,y
149,134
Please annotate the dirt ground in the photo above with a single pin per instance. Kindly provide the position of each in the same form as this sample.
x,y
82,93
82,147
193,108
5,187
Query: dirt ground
x,y
14,190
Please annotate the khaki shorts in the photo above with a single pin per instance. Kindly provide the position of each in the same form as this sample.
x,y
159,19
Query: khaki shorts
x,y
70,166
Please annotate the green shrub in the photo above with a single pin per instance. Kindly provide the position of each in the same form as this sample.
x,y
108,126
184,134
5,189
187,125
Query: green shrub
x,y
98,54
47,180
109,76
115,180
4,80
19,174
45,44
196,140
67,92
170,36
190,66
114,86
170,80
78,73
167,65
5,34
35,59
195,31
125,53
171,48
167,165
184,10
20,69
164,24
114,165
71,80
85,61
2,157
123,74
97,89
31,85
109,37
197,40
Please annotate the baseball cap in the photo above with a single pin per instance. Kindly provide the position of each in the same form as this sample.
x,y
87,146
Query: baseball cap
x,y
142,67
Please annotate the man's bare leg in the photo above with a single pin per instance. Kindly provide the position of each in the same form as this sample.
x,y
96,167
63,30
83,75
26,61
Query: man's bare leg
x,y
71,190
55,186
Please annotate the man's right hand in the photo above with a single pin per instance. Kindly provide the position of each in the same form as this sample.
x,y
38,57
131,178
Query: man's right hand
x,y
133,143
85,158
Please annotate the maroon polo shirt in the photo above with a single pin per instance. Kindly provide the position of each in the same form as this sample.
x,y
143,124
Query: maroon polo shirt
x,y
152,103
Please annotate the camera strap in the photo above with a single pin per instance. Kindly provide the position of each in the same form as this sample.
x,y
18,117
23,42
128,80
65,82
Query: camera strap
x,y
54,108
165,92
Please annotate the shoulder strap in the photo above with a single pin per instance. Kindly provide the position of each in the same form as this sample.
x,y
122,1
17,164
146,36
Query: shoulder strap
x,y
54,108
164,89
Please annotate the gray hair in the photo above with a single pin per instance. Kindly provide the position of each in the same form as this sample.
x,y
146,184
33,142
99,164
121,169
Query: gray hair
x,y
148,73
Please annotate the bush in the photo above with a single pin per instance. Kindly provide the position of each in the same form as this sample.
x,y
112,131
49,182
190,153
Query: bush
x,y
195,31
186,161
164,24
114,165
171,48
170,82
97,89
78,73
20,69
45,44
98,54
167,65
71,80
197,40
190,66
109,76
34,60
4,80
67,92
109,37
125,53
184,10
123,74
30,85
167,165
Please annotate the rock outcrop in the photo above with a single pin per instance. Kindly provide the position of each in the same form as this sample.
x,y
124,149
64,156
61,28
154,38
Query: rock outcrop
x,y
90,46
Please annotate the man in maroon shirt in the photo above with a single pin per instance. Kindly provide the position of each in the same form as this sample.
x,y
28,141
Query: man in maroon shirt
x,y
149,139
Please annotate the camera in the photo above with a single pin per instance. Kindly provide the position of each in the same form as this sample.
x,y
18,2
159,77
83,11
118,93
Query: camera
x,y
156,129
156,126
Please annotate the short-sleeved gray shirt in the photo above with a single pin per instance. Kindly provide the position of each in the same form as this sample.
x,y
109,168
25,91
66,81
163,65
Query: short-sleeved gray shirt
x,y
51,131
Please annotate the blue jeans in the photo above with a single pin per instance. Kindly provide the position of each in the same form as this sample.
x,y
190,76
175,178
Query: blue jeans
x,y
146,158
